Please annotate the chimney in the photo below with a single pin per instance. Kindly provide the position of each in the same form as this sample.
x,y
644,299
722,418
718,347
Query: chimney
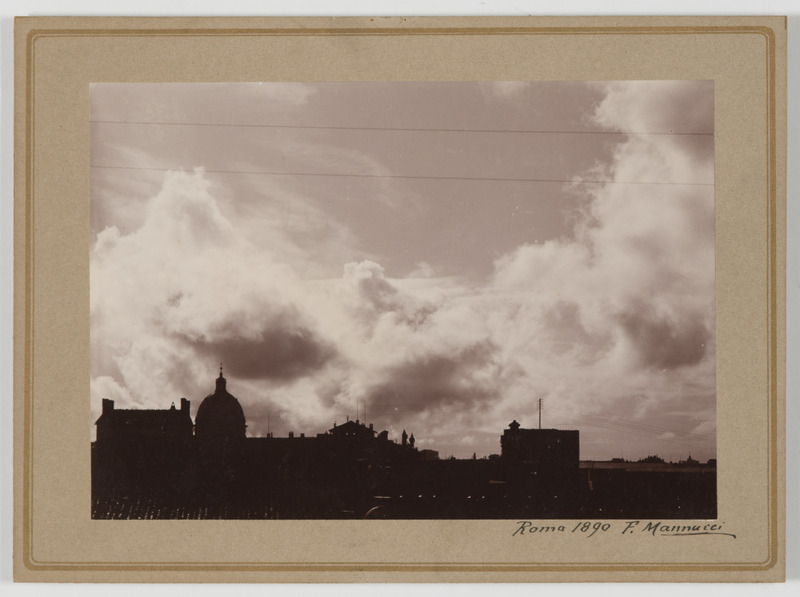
x,y
185,405
291,434
108,406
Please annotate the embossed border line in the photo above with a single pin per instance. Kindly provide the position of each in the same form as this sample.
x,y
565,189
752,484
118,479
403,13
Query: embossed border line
x,y
771,289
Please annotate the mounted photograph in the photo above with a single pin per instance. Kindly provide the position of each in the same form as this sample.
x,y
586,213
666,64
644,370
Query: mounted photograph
x,y
403,300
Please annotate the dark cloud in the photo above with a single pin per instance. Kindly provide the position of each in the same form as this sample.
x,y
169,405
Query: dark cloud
x,y
665,344
279,352
435,382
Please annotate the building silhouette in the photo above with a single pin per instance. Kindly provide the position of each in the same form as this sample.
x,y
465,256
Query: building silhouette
x,y
160,464
136,426
220,417
541,448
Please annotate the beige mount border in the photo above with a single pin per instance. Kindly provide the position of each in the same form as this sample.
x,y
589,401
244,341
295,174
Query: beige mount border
x,y
56,59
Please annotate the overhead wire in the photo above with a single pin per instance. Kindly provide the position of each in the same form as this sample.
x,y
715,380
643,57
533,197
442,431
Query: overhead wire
x,y
404,176
403,129
408,177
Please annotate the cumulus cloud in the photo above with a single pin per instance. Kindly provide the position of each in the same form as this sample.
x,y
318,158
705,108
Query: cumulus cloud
x,y
633,288
186,288
663,107
378,303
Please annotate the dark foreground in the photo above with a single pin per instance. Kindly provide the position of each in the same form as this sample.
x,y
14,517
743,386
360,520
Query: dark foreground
x,y
410,488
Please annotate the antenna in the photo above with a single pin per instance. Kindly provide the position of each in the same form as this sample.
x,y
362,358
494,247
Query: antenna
x,y
540,413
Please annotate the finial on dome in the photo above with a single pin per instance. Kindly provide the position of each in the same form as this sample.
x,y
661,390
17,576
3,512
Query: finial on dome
x,y
220,380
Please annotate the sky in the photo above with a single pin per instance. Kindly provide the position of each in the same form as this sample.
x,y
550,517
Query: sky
x,y
434,257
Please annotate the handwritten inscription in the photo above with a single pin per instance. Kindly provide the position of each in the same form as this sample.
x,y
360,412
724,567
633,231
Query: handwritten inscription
x,y
675,530
527,527
587,528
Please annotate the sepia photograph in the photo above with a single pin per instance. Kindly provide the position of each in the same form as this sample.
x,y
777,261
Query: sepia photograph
x,y
403,300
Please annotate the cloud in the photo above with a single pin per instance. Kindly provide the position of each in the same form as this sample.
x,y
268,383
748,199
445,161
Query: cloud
x,y
423,269
281,351
104,386
186,288
625,306
436,382
657,106
685,107
374,298
664,344
368,280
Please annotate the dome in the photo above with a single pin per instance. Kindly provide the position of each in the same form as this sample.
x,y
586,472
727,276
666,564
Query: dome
x,y
220,415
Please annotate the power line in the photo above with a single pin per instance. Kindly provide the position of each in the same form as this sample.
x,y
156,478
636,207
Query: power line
x,y
410,177
401,129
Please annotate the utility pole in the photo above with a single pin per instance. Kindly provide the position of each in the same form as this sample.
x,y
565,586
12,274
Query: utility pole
x,y
540,413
